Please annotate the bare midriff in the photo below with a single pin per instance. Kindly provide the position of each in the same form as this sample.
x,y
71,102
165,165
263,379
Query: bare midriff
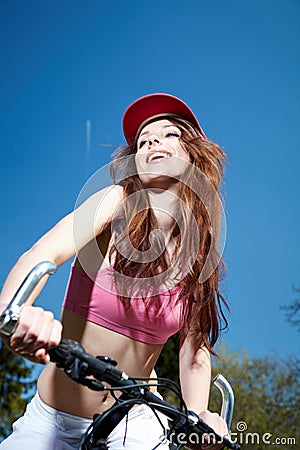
x,y
135,358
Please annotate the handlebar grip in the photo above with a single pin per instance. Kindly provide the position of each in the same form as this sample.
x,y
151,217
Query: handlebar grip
x,y
70,356
64,351
10,316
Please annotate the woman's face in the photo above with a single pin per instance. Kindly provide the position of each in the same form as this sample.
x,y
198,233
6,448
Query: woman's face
x,y
160,154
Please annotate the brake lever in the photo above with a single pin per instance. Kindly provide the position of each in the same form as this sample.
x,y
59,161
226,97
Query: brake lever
x,y
10,316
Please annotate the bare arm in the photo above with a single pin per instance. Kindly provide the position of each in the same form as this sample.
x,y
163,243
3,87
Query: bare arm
x,y
59,244
37,330
195,380
195,376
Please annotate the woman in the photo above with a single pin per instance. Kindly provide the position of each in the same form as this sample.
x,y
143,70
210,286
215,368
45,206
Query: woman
x,y
146,266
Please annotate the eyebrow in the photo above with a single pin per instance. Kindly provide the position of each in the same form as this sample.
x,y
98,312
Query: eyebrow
x,y
164,126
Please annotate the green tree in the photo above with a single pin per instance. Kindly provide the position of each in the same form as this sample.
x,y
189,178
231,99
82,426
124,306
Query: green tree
x,y
16,384
292,312
267,397
266,394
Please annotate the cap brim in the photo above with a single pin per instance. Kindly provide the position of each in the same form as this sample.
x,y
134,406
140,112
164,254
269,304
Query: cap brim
x,y
152,105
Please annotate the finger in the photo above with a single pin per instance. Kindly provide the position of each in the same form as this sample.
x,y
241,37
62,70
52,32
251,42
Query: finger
x,y
52,339
208,442
40,332
216,422
42,356
25,320
56,334
37,329
49,337
34,322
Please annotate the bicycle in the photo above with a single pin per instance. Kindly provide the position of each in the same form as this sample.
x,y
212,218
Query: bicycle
x,y
186,427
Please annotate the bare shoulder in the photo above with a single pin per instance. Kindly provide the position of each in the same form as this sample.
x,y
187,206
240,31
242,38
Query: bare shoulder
x,y
105,204
109,198
115,191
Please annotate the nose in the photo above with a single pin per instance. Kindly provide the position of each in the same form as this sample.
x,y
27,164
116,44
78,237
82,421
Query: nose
x,y
153,140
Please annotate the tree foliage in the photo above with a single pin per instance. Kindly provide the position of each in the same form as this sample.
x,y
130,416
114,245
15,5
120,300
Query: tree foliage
x,y
292,312
15,385
266,394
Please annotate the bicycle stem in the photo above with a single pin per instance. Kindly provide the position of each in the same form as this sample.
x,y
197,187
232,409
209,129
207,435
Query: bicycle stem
x,y
10,316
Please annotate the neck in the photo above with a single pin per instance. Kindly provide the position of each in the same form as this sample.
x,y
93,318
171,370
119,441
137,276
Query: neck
x,y
165,206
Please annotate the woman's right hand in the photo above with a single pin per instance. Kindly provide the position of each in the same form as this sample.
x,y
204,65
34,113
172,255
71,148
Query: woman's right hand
x,y
37,332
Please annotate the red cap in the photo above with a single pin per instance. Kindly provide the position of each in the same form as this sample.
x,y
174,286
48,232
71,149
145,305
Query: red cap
x,y
150,105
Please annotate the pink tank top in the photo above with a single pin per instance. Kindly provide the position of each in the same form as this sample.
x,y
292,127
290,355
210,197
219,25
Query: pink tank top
x,y
151,322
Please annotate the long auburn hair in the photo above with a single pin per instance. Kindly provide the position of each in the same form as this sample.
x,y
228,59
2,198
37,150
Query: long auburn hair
x,y
203,316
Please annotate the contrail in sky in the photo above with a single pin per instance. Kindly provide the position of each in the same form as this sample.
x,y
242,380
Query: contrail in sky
x,y
88,146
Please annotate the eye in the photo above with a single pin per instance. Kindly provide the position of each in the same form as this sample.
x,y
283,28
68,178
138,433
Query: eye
x,y
172,134
142,143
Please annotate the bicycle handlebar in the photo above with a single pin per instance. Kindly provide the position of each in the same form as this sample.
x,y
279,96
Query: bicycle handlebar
x,y
10,316
80,365
227,398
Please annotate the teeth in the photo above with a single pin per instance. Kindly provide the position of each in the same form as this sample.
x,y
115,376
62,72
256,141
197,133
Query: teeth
x,y
157,155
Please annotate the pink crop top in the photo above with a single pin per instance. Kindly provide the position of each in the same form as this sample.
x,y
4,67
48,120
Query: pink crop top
x,y
97,302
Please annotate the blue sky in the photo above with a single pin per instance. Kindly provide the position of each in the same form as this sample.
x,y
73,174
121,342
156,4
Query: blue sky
x,y
236,63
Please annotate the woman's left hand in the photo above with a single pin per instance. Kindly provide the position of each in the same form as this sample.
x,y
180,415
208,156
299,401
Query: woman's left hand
x,y
218,425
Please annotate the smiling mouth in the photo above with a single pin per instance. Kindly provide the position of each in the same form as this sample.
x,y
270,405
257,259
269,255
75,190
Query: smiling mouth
x,y
157,157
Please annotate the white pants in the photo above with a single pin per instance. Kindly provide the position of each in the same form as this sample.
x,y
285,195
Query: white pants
x,y
45,428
